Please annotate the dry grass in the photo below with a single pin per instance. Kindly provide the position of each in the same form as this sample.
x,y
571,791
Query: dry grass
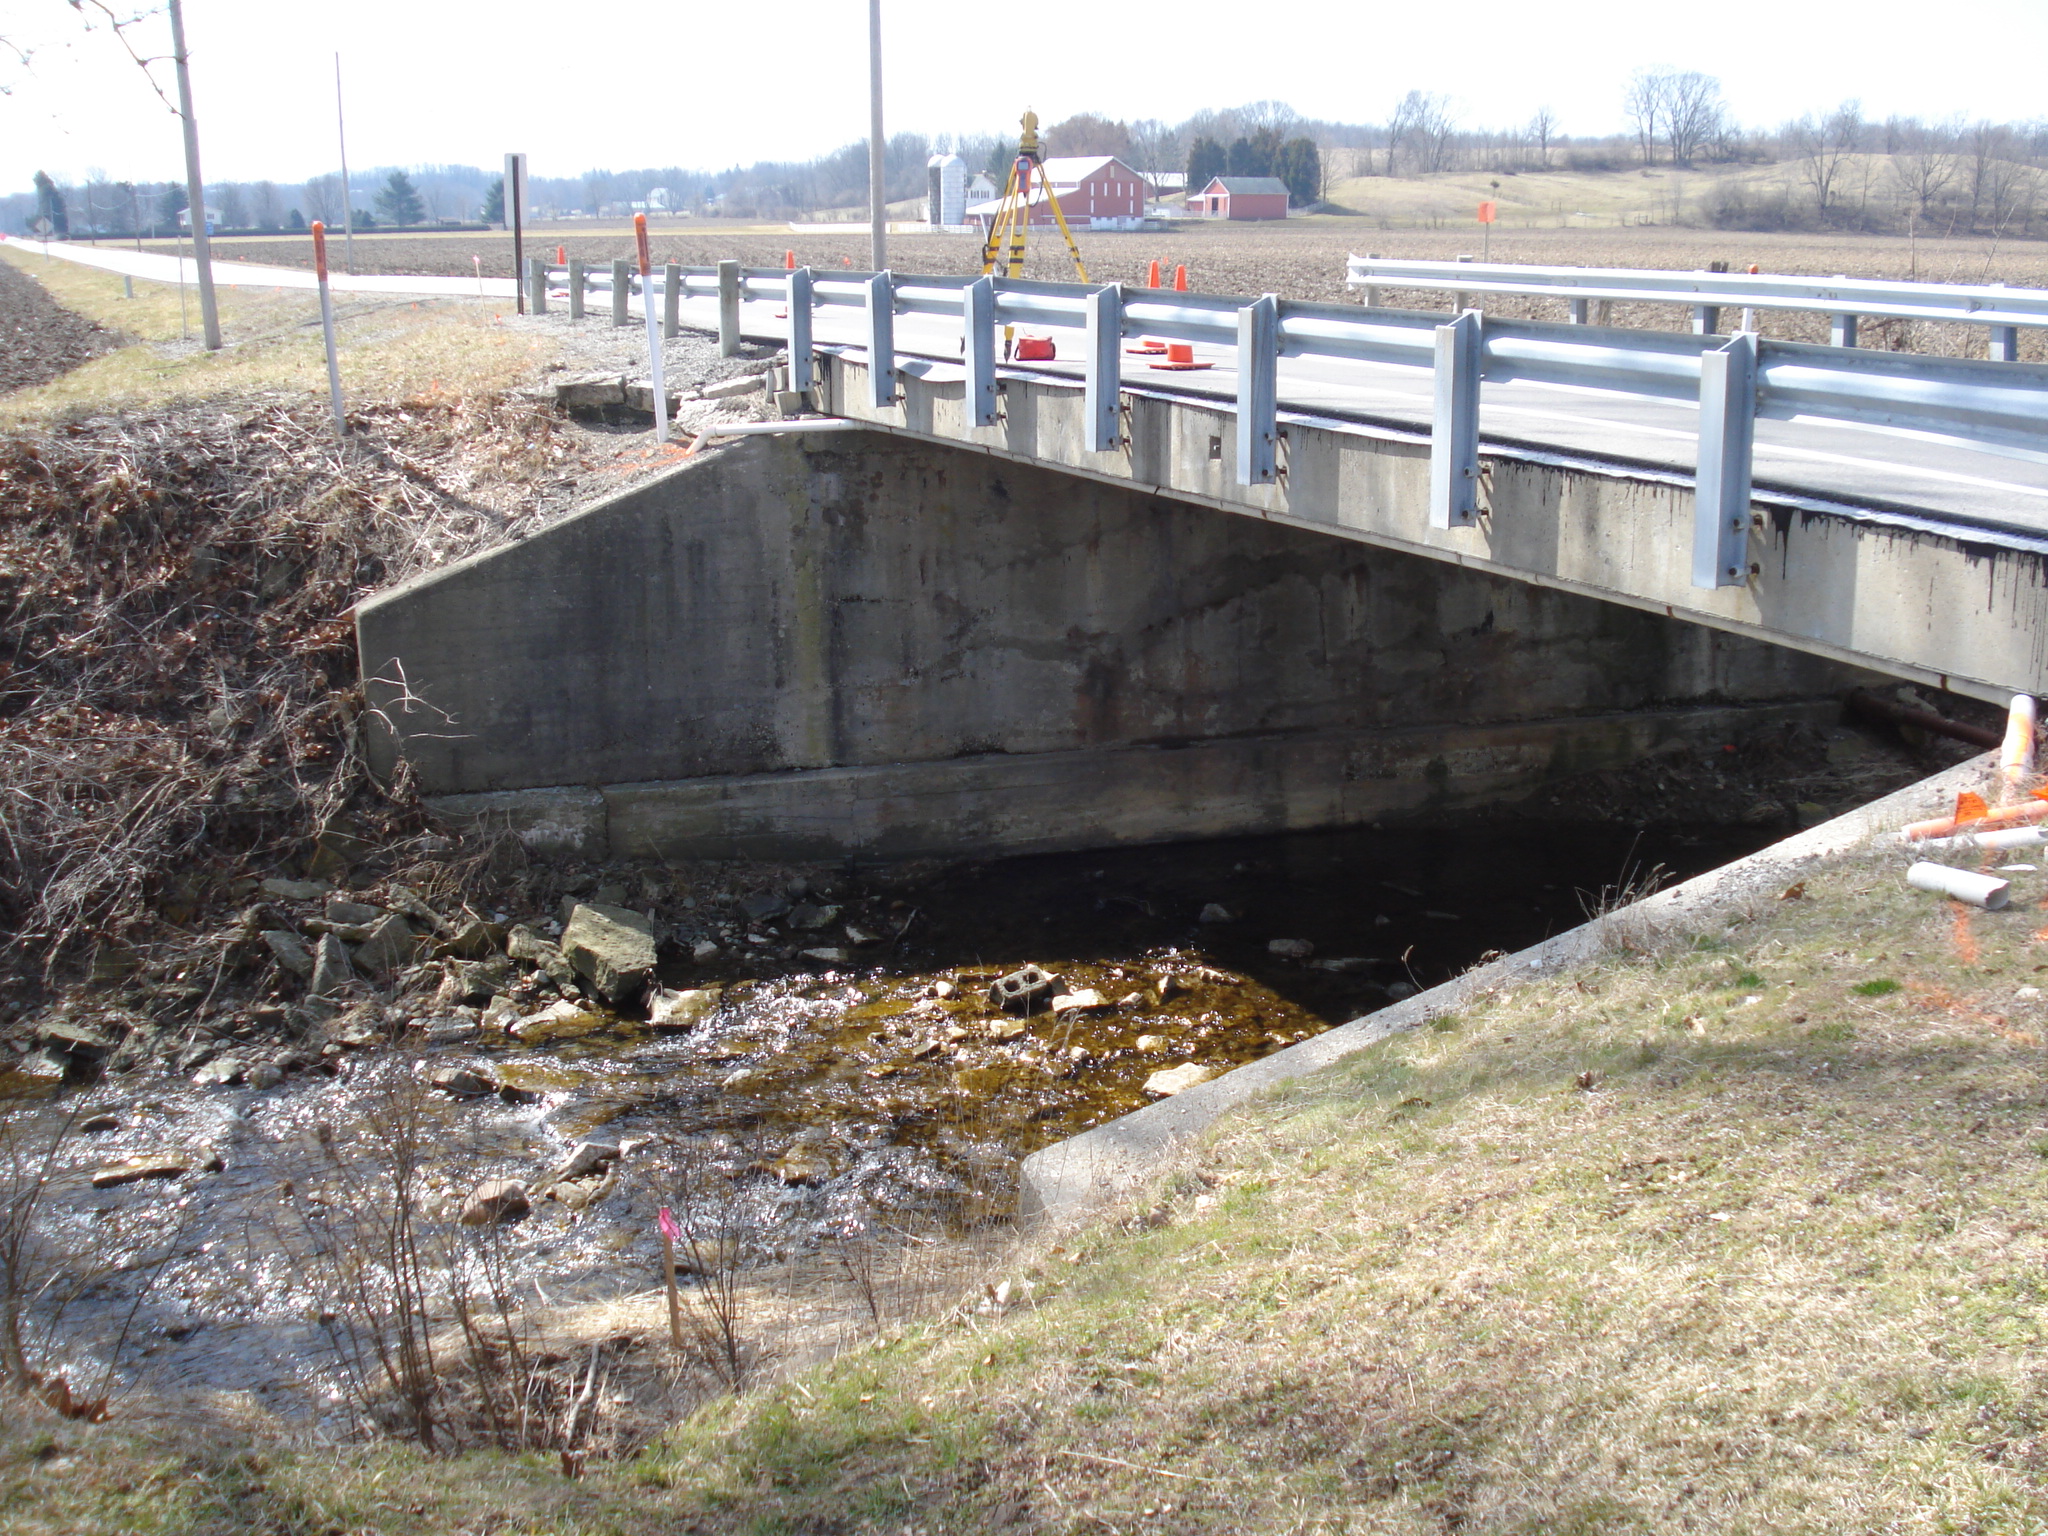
x,y
1742,1235
391,350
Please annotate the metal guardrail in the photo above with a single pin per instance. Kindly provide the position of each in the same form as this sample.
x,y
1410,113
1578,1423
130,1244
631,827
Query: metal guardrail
x,y
1734,379
1845,299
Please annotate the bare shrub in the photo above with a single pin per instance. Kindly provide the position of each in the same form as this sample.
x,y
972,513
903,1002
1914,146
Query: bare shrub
x,y
46,1353
177,666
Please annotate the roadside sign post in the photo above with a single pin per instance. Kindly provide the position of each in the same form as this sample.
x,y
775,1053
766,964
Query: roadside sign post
x,y
653,328
327,328
1487,211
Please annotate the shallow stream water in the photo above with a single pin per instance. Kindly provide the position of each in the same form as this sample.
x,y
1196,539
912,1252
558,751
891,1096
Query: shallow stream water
x,y
881,1094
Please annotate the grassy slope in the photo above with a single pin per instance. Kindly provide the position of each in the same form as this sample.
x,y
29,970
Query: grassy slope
x,y
389,349
1776,1264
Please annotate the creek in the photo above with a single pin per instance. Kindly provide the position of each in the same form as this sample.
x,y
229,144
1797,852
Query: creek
x,y
818,1098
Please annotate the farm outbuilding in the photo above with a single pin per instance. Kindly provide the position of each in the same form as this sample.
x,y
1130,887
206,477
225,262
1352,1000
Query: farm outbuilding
x,y
1089,187
1241,197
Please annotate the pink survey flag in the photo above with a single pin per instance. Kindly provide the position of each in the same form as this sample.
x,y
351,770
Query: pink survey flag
x,y
669,1229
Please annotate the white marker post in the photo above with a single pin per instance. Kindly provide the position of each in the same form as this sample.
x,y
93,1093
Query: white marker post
x,y
327,327
653,329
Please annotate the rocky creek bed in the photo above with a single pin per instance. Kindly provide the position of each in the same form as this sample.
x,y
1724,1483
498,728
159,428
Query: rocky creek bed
x,y
784,1057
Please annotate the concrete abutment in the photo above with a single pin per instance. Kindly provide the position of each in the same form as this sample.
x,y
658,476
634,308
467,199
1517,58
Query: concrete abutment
x,y
863,644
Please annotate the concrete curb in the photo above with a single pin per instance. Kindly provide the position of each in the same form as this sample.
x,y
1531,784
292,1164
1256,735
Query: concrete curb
x,y
1066,1181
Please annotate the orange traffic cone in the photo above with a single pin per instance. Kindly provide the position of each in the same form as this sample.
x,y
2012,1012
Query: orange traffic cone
x,y
561,255
1152,278
789,261
1180,279
846,261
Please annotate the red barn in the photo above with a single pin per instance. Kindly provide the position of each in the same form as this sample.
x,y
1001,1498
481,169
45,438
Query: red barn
x,y
1089,187
1241,197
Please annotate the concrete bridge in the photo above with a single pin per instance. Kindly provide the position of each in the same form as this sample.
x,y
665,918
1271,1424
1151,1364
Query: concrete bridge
x,y
1046,605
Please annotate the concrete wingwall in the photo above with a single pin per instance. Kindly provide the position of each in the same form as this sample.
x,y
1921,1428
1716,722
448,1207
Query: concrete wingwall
x,y
852,642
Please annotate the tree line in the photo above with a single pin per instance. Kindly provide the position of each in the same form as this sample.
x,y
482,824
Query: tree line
x,y
1841,168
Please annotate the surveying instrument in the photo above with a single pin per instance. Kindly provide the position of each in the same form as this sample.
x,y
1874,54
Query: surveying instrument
x,y
1012,225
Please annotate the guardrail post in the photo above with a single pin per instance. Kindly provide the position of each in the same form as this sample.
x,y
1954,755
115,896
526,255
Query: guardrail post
x,y
1454,432
1460,302
671,299
576,288
2004,344
536,286
801,364
978,322
881,336
1103,382
728,309
1579,311
1721,491
1842,331
1372,292
1706,319
1258,366
622,290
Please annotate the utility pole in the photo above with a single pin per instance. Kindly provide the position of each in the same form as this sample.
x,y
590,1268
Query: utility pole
x,y
348,211
878,211
195,185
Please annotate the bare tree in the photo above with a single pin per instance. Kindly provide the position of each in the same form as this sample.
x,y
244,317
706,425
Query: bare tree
x,y
1277,116
322,198
1542,129
1423,127
1824,146
1924,161
1644,105
1693,113
2001,183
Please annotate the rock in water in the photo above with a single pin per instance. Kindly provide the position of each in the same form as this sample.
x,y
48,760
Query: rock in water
x,y
388,948
611,948
1164,1085
331,970
134,1170
495,1200
1290,949
680,1010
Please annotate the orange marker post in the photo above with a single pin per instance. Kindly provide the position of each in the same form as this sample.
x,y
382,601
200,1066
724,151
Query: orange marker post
x,y
1487,212
327,328
655,376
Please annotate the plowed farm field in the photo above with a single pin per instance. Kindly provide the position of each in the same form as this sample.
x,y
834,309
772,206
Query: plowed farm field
x,y
1302,259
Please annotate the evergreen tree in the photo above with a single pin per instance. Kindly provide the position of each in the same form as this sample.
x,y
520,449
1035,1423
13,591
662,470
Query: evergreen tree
x,y
1301,167
297,222
1206,161
172,203
494,202
399,200
50,205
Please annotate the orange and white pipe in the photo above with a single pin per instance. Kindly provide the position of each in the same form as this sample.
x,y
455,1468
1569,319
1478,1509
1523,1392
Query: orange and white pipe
x,y
654,370
327,328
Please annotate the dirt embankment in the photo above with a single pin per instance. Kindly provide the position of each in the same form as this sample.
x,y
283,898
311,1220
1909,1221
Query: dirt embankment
x,y
39,338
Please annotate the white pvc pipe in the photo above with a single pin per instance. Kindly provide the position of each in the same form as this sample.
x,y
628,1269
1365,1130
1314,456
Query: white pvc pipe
x,y
1986,891
2016,758
2011,837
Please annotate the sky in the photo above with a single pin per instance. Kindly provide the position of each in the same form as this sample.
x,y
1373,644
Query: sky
x,y
708,86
